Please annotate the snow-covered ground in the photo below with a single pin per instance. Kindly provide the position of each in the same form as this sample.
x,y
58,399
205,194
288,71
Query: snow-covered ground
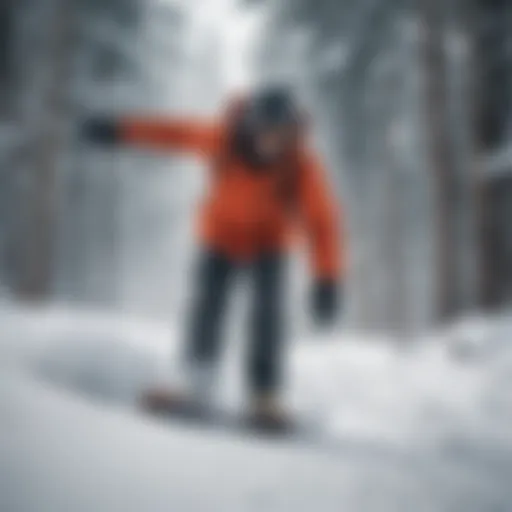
x,y
424,427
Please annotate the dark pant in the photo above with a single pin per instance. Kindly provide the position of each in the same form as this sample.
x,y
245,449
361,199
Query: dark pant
x,y
215,276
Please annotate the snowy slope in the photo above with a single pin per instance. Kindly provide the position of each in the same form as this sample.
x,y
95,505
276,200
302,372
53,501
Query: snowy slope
x,y
415,429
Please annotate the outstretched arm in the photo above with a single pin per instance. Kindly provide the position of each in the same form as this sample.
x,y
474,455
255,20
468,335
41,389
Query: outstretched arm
x,y
156,133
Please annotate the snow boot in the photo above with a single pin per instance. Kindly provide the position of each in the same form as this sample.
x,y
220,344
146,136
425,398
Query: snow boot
x,y
267,414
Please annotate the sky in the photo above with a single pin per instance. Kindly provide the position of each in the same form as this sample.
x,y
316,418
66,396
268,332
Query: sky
x,y
238,31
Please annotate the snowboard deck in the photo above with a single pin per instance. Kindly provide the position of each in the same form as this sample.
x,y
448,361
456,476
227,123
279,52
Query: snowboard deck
x,y
232,422
301,430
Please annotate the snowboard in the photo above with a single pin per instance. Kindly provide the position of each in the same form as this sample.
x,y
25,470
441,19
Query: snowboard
x,y
223,420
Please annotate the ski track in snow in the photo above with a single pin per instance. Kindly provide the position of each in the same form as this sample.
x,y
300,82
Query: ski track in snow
x,y
412,429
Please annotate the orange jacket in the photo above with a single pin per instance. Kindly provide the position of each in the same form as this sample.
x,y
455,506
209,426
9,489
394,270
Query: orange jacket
x,y
243,214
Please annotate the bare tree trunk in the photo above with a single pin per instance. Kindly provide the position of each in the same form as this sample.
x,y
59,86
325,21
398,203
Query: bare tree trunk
x,y
483,266
441,155
38,240
6,40
487,24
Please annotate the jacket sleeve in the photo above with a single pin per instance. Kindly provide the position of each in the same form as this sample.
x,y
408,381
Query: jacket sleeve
x,y
171,134
322,219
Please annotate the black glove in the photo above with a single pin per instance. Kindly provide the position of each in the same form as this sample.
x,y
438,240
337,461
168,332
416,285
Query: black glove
x,y
325,301
102,130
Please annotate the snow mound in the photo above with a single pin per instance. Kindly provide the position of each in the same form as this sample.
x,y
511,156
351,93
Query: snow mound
x,y
418,426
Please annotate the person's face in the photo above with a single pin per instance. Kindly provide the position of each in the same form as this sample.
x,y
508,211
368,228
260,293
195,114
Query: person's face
x,y
270,144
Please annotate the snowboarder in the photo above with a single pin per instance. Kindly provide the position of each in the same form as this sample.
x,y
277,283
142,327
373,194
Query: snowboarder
x,y
264,182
